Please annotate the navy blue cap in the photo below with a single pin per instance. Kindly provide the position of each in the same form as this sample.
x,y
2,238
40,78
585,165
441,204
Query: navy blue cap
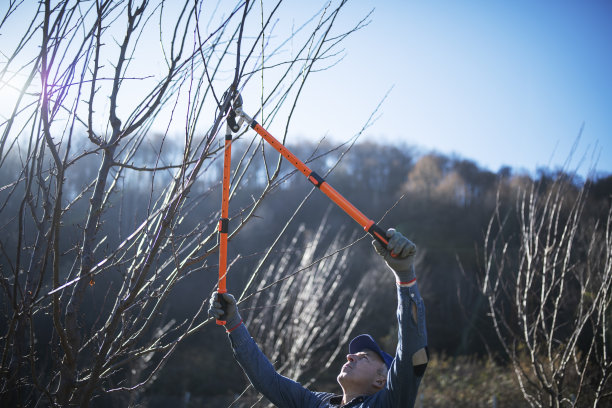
x,y
365,341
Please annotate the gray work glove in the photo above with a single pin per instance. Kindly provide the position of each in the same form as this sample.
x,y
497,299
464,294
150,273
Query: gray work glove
x,y
403,250
226,310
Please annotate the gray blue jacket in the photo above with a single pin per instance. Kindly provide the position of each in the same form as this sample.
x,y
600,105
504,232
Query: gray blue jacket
x,y
403,378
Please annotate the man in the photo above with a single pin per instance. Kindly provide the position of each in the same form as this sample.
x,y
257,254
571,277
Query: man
x,y
370,377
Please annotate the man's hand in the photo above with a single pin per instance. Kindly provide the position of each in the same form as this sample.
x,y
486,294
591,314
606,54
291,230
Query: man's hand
x,y
227,311
403,251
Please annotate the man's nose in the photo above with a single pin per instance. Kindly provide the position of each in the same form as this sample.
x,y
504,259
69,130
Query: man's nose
x,y
350,357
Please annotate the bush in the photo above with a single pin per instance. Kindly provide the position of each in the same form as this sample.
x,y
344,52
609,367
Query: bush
x,y
468,382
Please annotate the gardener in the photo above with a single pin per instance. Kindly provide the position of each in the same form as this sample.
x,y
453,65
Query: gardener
x,y
370,377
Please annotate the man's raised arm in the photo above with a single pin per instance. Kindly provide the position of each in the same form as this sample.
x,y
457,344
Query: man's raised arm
x,y
281,391
411,356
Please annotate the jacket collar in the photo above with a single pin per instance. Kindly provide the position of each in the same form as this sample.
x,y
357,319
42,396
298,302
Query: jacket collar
x,y
337,401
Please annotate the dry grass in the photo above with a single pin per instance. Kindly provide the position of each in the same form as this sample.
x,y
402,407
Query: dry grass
x,y
468,382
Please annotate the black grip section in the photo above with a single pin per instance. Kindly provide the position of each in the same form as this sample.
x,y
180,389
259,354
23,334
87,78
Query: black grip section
x,y
221,321
223,225
315,179
379,234
223,302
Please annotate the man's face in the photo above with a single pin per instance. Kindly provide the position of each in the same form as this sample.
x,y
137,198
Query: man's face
x,y
364,370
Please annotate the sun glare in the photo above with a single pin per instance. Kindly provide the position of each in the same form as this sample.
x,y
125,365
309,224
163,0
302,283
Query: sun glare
x,y
11,88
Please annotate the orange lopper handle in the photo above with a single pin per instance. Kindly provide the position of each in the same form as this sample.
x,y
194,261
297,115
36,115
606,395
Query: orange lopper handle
x,y
367,224
223,227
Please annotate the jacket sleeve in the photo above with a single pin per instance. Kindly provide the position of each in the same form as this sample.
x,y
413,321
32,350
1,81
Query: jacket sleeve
x,y
281,391
411,357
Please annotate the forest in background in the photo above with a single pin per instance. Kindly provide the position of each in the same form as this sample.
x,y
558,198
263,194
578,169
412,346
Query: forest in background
x,y
444,204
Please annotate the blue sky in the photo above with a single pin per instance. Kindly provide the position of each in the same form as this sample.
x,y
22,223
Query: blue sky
x,y
500,82
504,83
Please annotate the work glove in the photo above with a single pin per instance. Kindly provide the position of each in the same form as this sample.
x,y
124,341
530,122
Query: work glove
x,y
226,310
403,250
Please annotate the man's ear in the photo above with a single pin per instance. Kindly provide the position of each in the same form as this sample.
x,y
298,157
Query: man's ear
x,y
380,382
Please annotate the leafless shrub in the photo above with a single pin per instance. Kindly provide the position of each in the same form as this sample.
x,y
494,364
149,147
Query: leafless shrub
x,y
89,80
548,289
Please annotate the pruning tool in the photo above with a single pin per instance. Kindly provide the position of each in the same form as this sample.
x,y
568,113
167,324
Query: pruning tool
x,y
231,127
